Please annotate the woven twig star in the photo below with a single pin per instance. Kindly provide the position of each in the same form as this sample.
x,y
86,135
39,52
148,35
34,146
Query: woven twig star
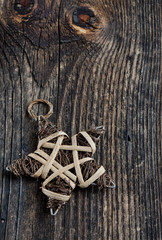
x,y
63,163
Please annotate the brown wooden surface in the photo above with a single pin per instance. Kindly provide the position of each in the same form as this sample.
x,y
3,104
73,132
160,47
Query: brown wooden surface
x,y
109,77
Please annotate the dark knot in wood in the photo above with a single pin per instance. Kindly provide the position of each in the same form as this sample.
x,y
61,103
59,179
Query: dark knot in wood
x,y
23,7
84,17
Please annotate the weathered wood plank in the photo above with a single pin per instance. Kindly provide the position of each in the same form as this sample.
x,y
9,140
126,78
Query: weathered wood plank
x,y
109,76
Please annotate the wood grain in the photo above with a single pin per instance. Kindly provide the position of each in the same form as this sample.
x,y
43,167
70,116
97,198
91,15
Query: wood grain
x,y
106,76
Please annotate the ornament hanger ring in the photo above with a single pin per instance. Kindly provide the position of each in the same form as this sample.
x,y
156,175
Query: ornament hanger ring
x,y
31,112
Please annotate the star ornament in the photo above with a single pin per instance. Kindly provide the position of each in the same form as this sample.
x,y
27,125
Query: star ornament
x,y
62,162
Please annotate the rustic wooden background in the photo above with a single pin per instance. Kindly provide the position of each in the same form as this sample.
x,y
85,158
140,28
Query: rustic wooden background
x,y
102,70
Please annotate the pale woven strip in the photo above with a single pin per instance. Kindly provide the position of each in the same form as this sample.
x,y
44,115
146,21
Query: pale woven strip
x,y
53,155
56,164
51,137
53,169
92,179
64,169
50,164
90,141
68,147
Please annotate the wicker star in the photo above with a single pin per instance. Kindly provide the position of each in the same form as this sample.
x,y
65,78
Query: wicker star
x,y
63,163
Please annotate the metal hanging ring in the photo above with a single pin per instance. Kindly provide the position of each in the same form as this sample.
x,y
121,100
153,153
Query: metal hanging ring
x,y
31,112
